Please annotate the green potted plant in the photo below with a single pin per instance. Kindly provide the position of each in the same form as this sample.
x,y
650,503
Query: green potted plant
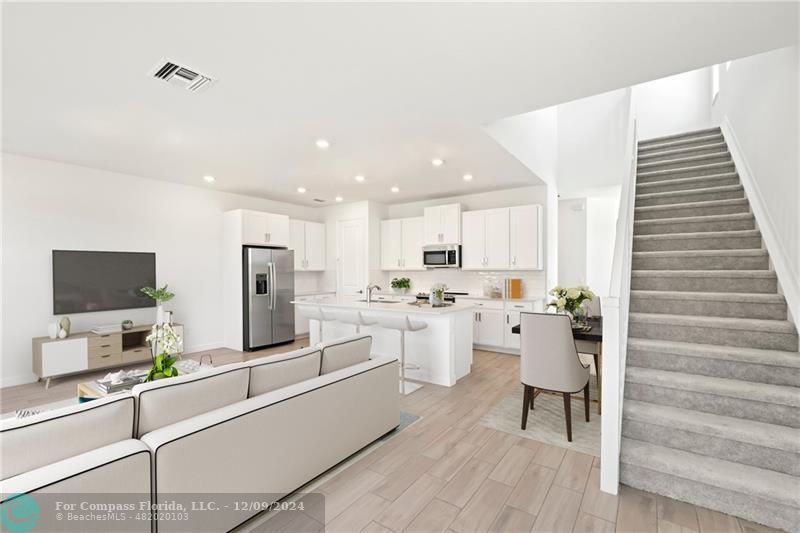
x,y
437,294
570,300
401,285
163,341
161,296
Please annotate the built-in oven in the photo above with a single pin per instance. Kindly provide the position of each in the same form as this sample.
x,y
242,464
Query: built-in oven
x,y
441,256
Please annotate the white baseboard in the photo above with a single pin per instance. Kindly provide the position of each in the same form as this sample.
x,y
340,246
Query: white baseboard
x,y
497,349
788,279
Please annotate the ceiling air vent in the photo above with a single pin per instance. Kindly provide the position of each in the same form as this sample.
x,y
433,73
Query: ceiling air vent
x,y
181,76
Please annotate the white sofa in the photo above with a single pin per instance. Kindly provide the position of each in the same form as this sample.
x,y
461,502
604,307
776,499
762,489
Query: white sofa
x,y
263,427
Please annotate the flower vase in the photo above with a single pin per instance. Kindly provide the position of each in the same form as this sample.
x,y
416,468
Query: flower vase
x,y
436,300
159,315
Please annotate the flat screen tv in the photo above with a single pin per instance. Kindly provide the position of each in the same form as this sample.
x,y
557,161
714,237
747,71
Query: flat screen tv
x,y
84,282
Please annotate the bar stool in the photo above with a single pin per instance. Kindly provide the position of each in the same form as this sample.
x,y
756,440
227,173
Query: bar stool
x,y
404,324
357,319
319,314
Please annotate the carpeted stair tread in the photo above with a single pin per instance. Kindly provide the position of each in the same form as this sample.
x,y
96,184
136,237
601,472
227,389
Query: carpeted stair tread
x,y
679,143
687,184
727,427
686,160
735,324
679,151
688,171
730,388
750,252
767,274
744,479
692,205
706,240
777,358
694,219
690,192
683,135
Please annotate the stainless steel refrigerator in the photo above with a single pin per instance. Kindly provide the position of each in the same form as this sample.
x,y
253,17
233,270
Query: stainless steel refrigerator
x,y
268,291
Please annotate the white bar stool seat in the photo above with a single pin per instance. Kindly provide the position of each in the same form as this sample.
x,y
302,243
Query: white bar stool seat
x,y
404,324
357,319
319,314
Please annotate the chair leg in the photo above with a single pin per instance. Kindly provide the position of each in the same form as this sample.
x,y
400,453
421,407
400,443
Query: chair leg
x,y
533,396
586,400
568,415
526,401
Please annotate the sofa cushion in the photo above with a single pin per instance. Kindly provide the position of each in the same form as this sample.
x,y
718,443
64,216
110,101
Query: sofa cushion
x,y
270,373
166,401
36,441
344,352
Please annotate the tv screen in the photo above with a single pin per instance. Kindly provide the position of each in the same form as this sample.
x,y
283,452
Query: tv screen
x,y
101,281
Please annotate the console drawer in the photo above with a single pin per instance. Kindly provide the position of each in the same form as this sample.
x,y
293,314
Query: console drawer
x,y
102,361
136,355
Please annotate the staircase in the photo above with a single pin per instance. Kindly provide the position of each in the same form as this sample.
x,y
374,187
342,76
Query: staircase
x,y
712,386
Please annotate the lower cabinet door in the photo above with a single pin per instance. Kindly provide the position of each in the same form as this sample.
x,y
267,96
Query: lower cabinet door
x,y
490,326
511,340
65,356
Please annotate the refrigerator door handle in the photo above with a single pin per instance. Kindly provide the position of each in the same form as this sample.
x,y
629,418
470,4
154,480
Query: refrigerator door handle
x,y
272,286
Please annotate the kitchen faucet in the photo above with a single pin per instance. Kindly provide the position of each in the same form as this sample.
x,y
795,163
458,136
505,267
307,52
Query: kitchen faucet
x,y
370,288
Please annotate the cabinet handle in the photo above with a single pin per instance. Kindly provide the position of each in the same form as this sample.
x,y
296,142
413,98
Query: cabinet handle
x,y
105,345
105,356
506,318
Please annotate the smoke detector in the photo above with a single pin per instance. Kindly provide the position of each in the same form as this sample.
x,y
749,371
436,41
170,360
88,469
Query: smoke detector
x,y
181,76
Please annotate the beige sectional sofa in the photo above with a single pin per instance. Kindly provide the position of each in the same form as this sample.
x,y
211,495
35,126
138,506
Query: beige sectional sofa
x,y
263,427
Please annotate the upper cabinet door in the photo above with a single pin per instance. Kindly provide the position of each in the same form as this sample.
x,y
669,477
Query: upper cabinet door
x,y
315,246
526,237
451,223
473,249
277,230
254,227
391,244
433,225
413,239
297,238
497,241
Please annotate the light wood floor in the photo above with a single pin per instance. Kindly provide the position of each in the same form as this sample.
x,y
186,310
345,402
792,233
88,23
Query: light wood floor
x,y
448,473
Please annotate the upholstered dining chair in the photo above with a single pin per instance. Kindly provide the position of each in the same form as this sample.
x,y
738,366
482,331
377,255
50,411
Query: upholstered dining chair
x,y
549,361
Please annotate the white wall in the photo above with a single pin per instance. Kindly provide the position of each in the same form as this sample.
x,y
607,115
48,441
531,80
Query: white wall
x,y
673,105
572,242
48,205
759,99
601,233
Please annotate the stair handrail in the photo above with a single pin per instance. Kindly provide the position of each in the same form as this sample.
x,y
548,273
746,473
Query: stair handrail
x,y
615,319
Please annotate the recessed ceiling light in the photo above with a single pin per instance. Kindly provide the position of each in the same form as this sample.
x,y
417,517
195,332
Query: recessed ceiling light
x,y
359,178
301,190
339,198
467,177
209,179
322,144
437,162
395,189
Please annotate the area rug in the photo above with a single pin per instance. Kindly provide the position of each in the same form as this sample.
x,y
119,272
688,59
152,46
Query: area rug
x,y
546,422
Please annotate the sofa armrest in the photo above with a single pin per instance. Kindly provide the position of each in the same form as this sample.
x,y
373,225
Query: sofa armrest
x,y
122,467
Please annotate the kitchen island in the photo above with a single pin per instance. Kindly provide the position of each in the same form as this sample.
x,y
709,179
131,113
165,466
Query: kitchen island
x,y
442,351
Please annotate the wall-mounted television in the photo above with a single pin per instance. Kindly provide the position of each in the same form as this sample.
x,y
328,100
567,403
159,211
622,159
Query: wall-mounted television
x,y
85,282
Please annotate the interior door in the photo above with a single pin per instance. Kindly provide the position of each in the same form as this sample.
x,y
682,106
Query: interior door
x,y
474,243
496,227
315,246
391,244
525,237
297,237
413,237
351,257
258,299
283,287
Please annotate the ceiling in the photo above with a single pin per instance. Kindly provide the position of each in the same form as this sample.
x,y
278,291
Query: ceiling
x,y
391,86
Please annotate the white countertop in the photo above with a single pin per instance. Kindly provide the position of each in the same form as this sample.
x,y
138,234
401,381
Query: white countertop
x,y
399,307
470,296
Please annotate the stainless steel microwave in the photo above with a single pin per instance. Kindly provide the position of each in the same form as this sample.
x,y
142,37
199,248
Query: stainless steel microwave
x,y
441,256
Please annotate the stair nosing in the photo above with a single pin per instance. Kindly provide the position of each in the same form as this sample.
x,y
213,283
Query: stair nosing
x,y
698,157
721,234
715,386
653,147
692,179
739,354
759,434
768,325
668,171
692,205
686,134
712,471
694,219
694,296
765,273
724,252
709,146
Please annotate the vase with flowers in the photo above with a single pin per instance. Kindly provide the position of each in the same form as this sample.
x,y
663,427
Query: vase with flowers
x,y
437,294
164,342
570,300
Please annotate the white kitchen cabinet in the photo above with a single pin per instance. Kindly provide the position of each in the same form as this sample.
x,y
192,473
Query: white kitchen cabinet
x,y
268,229
308,242
525,237
401,244
489,330
443,224
510,340
486,239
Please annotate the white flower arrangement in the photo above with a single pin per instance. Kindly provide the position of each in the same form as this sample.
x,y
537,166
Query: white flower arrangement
x,y
570,300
